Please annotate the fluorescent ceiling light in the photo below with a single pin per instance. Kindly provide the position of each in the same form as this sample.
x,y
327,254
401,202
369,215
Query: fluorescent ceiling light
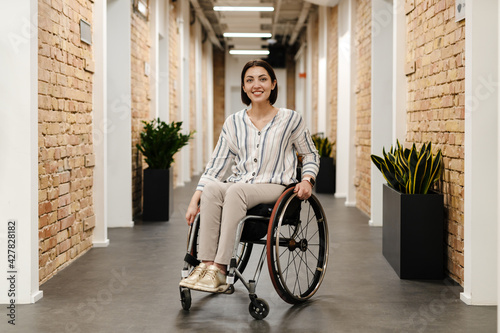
x,y
248,34
243,9
249,52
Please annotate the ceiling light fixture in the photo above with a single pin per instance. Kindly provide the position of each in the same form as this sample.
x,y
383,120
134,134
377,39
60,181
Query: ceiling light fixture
x,y
248,34
249,52
243,9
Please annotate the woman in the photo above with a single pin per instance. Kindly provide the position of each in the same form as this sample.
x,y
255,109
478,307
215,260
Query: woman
x,y
260,145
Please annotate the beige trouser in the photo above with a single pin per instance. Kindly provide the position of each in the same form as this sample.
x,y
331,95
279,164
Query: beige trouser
x,y
222,206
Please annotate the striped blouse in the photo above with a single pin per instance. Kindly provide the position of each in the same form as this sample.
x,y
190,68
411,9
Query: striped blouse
x,y
265,156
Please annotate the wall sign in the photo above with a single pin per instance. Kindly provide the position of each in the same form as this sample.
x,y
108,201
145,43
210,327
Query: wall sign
x,y
459,10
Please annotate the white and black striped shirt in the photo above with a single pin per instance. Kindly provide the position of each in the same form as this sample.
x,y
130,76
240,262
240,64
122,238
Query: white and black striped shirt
x,y
265,156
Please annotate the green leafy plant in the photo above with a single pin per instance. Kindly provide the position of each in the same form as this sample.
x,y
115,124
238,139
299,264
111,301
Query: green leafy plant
x,y
160,141
323,145
410,171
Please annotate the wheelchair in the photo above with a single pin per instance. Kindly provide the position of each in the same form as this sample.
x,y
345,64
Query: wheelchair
x,y
293,234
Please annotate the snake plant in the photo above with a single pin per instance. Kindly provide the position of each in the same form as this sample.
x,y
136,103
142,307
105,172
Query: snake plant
x,y
410,171
323,145
160,141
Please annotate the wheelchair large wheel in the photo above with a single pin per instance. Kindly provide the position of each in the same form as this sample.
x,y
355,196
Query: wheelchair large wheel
x,y
242,256
297,247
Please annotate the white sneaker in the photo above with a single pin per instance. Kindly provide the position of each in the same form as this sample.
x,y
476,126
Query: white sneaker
x,y
212,281
195,276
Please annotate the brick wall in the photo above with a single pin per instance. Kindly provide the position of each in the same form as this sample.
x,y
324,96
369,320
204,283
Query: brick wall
x,y
192,95
363,104
219,96
436,43
204,101
140,96
314,75
332,55
65,158
173,69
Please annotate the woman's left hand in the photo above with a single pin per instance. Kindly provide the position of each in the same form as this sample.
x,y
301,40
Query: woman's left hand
x,y
303,190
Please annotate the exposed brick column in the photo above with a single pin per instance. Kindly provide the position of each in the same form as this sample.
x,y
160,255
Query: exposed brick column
x,y
66,160
363,42
333,43
219,96
140,54
435,106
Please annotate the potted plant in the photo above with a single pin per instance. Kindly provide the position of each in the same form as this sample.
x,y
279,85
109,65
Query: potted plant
x,y
159,143
413,215
325,180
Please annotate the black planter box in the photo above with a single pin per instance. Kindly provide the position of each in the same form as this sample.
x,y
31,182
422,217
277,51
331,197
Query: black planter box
x,y
157,193
325,180
413,242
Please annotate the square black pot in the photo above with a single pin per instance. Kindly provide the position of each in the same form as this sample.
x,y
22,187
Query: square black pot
x,y
413,241
325,180
157,194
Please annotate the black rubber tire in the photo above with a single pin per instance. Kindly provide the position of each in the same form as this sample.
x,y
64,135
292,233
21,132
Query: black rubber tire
x,y
185,298
259,312
297,247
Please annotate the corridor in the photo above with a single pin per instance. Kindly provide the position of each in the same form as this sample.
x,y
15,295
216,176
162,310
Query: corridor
x,y
132,286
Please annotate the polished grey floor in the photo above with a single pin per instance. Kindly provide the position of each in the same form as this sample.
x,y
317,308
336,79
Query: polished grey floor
x,y
132,286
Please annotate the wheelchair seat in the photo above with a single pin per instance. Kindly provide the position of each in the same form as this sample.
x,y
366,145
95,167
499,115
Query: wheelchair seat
x,y
255,229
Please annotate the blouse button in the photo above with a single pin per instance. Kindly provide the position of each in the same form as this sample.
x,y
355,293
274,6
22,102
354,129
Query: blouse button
x,y
259,133
253,173
255,160
257,145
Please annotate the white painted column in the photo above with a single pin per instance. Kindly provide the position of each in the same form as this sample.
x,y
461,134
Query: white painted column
x,y
498,186
184,103
119,117
100,237
154,57
19,146
322,70
381,98
199,166
481,149
498,183
399,86
346,110
300,82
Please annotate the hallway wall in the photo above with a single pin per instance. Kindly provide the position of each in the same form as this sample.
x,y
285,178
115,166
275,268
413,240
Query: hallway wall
x,y
363,104
435,108
65,160
173,56
140,99
332,78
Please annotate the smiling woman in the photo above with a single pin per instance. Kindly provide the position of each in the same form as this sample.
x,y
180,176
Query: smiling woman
x,y
260,171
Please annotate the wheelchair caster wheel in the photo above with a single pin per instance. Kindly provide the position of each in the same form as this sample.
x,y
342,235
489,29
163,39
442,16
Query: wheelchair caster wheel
x,y
229,291
259,309
186,298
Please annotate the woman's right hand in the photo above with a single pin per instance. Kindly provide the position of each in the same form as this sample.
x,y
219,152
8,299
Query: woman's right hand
x,y
191,213
193,208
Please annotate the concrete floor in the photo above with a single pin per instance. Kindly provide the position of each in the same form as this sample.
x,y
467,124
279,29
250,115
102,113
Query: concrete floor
x,y
132,286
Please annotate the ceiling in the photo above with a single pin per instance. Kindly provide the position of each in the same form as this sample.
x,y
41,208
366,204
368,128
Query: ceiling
x,y
285,22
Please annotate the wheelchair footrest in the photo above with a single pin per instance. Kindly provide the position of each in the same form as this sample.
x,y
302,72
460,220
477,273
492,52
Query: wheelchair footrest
x,y
230,279
191,260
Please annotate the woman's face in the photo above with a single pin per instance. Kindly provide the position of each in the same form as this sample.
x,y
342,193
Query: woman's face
x,y
257,84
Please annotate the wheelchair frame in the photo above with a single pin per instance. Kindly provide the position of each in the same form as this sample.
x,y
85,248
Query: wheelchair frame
x,y
283,215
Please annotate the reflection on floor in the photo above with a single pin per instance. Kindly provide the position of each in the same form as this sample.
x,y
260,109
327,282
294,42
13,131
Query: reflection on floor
x,y
132,286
